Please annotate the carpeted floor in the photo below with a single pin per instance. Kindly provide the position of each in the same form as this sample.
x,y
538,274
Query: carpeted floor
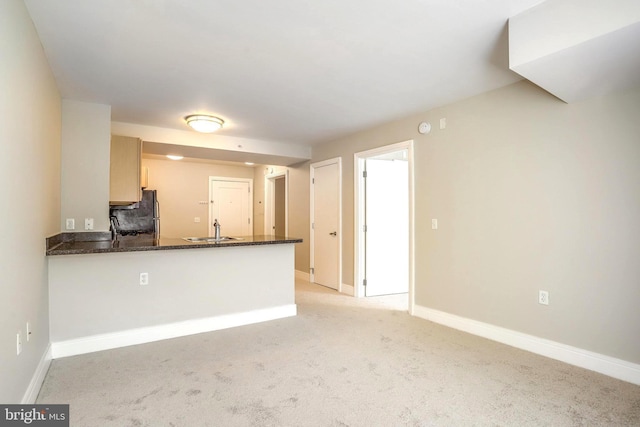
x,y
341,362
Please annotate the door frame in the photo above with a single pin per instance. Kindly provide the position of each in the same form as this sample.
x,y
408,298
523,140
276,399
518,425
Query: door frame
x,y
359,219
269,201
227,178
312,167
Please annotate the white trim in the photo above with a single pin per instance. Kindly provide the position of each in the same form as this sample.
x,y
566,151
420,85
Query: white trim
x,y
269,201
230,179
358,212
606,365
172,330
31,394
312,167
302,275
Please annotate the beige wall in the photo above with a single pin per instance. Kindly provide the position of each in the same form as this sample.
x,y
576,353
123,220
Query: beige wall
x,y
299,212
86,146
530,193
298,209
29,195
259,172
181,186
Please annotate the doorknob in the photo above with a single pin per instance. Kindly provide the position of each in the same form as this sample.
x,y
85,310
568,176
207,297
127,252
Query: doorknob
x,y
335,233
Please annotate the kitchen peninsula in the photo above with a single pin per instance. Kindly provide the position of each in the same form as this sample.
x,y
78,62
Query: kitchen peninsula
x,y
106,294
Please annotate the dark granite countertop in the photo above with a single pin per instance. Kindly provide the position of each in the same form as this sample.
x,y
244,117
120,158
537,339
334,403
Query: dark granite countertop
x,y
100,242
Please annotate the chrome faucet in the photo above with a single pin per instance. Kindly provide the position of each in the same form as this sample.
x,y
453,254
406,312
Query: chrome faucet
x,y
114,230
216,227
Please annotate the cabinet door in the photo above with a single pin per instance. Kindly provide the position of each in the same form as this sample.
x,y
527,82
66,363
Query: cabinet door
x,y
126,153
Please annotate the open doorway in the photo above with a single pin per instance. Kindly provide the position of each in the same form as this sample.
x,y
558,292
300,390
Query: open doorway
x,y
384,221
276,216
279,207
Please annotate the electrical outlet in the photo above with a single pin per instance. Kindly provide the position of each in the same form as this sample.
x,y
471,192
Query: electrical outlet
x,y
543,297
70,223
144,278
18,343
196,219
88,223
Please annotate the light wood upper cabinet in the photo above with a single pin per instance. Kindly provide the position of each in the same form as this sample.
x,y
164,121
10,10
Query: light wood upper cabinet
x,y
144,177
124,171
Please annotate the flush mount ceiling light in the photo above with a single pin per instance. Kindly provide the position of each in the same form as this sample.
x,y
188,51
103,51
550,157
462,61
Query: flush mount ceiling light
x,y
203,123
175,157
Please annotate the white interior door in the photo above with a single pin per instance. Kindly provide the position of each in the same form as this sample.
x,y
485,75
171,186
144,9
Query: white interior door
x,y
387,225
326,224
231,205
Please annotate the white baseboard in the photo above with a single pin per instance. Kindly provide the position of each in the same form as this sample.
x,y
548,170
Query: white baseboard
x,y
606,365
172,330
303,276
31,394
348,289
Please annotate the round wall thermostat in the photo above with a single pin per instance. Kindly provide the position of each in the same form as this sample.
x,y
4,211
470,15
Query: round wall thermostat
x,y
424,127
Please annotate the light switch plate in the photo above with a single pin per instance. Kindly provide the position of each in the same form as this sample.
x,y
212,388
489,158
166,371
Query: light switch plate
x,y
543,297
434,224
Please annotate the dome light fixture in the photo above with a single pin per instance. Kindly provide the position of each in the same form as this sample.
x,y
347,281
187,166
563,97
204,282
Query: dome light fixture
x,y
175,156
204,123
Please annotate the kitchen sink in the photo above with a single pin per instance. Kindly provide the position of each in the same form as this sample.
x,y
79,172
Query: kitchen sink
x,y
210,239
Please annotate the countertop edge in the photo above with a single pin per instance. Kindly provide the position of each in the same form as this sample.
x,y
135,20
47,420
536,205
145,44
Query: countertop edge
x,y
55,245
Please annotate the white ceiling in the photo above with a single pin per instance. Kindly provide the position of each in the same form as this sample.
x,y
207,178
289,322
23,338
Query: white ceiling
x,y
289,71
578,49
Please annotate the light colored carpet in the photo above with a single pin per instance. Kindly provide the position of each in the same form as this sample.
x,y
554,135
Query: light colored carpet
x,y
341,362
